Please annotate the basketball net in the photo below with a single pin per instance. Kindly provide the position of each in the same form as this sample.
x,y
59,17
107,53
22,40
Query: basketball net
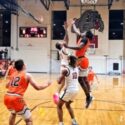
x,y
89,1
91,49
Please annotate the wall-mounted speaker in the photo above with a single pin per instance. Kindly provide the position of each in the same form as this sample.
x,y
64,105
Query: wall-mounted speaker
x,y
115,66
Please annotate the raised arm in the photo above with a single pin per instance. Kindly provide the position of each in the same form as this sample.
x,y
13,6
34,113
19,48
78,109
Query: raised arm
x,y
78,47
7,85
35,84
6,74
76,30
66,37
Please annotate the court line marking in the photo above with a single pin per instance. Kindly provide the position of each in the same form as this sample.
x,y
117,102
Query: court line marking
x,y
89,109
108,101
32,110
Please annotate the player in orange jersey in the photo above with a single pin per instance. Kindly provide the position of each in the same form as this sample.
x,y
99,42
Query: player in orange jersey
x,y
91,76
17,86
83,63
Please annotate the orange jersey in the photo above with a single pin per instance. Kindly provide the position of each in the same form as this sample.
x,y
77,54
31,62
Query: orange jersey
x,y
91,75
82,51
18,84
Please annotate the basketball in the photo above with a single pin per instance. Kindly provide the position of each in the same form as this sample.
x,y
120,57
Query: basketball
x,y
56,98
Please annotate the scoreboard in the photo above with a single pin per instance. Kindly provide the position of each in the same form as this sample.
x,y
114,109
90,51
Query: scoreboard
x,y
30,32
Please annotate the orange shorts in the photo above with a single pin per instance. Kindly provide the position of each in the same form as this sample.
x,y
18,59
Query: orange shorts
x,y
83,62
14,103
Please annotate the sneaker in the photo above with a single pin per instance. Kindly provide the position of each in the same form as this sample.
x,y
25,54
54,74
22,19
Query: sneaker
x,y
88,101
74,123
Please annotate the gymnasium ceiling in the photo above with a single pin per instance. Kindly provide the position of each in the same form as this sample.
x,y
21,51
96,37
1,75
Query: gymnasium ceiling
x,y
69,3
13,7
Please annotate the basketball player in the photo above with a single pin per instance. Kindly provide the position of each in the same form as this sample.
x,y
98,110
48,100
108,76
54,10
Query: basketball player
x,y
70,74
17,86
63,53
91,76
83,63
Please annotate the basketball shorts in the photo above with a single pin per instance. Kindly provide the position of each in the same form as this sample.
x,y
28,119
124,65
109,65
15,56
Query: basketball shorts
x,y
68,96
16,105
83,62
83,72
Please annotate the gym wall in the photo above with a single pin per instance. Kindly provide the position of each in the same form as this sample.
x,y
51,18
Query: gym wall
x,y
35,50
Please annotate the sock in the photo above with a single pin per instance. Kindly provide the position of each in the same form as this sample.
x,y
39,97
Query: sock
x,y
61,123
73,121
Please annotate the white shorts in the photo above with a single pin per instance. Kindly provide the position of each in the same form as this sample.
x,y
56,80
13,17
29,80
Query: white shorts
x,y
83,72
68,96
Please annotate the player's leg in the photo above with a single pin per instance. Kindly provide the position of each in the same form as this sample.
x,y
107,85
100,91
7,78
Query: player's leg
x,y
12,119
29,121
87,83
60,111
83,64
27,117
84,85
64,97
71,112
21,109
91,84
90,97
9,103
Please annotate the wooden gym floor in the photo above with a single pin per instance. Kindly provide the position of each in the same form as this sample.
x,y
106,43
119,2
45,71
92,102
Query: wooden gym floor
x,y
108,107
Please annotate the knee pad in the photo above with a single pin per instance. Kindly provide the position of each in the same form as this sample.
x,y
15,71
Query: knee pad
x,y
27,115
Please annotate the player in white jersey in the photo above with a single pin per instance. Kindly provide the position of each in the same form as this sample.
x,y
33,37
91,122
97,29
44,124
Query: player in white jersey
x,y
70,89
63,53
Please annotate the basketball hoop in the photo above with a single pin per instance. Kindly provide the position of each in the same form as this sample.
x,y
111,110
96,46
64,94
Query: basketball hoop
x,y
91,49
89,1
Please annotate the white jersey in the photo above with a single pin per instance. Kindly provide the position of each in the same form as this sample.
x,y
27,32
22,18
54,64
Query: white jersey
x,y
71,80
63,56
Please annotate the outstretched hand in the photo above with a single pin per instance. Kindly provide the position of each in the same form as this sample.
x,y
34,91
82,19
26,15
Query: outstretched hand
x,y
65,25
